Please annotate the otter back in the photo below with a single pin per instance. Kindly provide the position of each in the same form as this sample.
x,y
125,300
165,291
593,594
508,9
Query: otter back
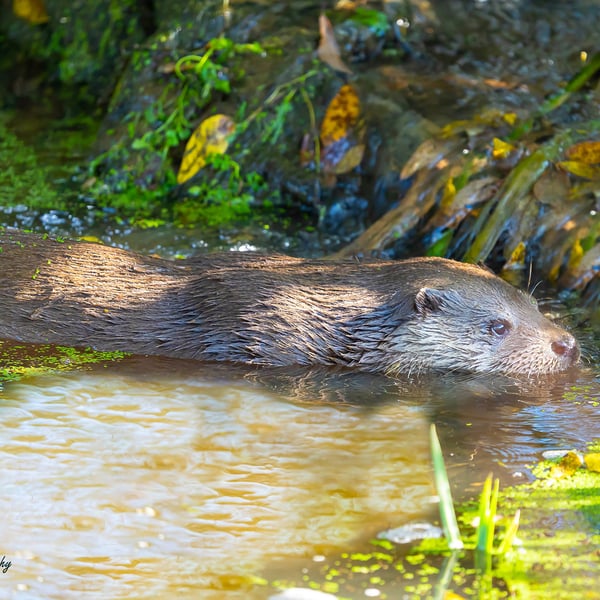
x,y
395,317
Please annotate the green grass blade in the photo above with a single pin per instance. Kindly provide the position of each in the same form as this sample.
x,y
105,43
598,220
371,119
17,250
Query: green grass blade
x,y
510,535
489,547
488,504
447,514
484,505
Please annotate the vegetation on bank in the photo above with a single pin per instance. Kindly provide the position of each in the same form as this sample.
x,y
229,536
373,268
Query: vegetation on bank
x,y
206,124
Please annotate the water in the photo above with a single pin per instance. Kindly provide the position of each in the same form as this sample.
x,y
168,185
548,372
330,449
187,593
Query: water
x,y
140,486
155,478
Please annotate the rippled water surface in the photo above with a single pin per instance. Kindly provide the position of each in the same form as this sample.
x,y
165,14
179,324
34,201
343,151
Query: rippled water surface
x,y
160,479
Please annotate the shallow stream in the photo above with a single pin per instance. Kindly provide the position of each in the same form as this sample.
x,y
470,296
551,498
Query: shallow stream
x,y
160,478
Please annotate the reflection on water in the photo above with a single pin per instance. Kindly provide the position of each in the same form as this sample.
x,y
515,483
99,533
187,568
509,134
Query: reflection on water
x,y
158,484
157,478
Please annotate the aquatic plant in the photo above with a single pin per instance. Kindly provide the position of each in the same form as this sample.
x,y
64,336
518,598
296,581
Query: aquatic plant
x,y
488,504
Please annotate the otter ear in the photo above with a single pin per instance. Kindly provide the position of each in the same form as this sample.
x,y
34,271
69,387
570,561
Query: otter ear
x,y
429,300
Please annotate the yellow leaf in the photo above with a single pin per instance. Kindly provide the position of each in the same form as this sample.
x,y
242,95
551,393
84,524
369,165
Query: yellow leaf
x,y
455,127
342,132
567,465
342,115
585,152
510,118
581,169
592,461
575,255
501,149
449,193
33,11
554,273
210,137
517,256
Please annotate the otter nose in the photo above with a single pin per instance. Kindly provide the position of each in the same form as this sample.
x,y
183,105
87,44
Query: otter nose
x,y
566,347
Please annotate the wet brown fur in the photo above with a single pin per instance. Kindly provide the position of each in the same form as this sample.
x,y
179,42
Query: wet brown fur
x,y
395,317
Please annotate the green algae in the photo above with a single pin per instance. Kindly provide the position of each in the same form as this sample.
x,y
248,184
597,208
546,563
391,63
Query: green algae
x,y
23,360
560,549
557,553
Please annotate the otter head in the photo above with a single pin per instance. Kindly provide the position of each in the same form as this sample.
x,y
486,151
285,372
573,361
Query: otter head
x,y
477,322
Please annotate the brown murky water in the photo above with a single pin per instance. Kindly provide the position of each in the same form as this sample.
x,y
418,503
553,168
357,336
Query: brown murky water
x,y
156,479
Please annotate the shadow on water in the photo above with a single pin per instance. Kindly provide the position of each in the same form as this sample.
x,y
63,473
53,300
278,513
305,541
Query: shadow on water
x,y
484,422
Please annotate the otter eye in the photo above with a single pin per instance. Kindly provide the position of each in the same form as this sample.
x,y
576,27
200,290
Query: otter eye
x,y
499,327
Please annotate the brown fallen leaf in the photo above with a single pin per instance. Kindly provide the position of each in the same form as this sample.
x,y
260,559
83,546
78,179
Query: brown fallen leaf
x,y
329,51
210,137
552,187
581,273
431,154
342,133
585,152
349,4
456,206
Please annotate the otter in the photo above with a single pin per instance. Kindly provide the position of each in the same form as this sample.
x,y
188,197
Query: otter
x,y
395,317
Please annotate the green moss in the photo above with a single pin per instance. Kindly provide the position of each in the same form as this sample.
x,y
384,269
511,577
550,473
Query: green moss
x,y
23,360
22,180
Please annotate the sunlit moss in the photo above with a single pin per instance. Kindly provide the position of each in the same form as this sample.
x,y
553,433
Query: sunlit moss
x,y
18,360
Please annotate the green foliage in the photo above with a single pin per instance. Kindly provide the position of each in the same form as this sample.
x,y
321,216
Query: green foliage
x,y
22,179
222,192
273,111
117,191
225,193
201,76
486,527
224,198
375,20
488,504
